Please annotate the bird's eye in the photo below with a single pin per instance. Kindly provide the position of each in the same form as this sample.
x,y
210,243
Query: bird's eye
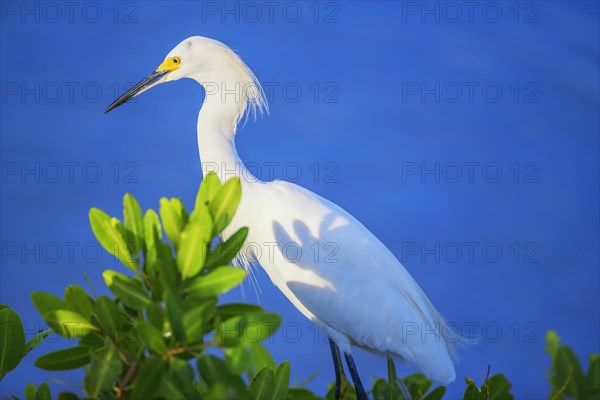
x,y
176,60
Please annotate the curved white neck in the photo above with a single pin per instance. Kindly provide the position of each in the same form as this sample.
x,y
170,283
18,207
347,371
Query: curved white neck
x,y
217,122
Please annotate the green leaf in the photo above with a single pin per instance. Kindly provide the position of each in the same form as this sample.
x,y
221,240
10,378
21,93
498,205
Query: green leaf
x,y
128,290
192,303
201,216
77,300
153,238
225,252
30,390
195,322
209,187
159,264
133,220
227,311
248,359
499,388
381,390
436,394
67,396
12,340
417,384
194,242
218,281
154,316
43,392
226,391
239,361
65,359
93,339
129,339
201,388
109,232
148,379
260,357
262,385
225,204
568,374
167,269
212,368
182,375
592,380
282,381
174,315
46,302
108,316
174,218
302,394
169,388
182,370
472,391
214,371
152,337
247,329
552,343
69,323
106,367
151,225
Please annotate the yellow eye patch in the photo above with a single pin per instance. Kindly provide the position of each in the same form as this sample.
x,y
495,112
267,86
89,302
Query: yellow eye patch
x,y
170,64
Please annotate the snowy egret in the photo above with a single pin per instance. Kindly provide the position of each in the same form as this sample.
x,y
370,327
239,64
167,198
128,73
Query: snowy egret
x,y
362,295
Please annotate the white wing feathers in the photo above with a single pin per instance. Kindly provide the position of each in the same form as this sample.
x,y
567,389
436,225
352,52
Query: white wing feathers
x,y
339,274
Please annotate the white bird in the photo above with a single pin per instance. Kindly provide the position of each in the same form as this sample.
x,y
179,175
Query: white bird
x,y
361,295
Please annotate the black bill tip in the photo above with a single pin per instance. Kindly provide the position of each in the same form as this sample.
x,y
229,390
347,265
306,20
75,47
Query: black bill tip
x,y
145,84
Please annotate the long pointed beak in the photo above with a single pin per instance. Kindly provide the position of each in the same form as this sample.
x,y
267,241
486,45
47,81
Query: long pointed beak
x,y
147,83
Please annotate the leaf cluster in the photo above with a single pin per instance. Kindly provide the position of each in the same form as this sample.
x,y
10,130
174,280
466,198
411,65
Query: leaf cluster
x,y
164,334
160,334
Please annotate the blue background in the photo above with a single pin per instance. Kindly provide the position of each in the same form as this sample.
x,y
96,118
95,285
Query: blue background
x,y
364,58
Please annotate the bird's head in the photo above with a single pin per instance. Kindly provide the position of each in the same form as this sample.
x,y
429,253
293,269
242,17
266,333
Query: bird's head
x,y
212,64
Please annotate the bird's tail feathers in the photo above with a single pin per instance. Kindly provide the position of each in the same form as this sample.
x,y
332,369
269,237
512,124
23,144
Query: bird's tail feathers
x,y
453,336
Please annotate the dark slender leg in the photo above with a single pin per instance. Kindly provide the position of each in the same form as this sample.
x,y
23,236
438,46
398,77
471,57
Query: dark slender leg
x,y
360,390
337,363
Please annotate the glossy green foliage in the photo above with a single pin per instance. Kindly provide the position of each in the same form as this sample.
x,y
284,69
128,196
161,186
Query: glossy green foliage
x,y
163,334
13,346
567,376
163,315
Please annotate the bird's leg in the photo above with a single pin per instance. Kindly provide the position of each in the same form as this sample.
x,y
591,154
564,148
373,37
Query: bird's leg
x,y
360,390
339,368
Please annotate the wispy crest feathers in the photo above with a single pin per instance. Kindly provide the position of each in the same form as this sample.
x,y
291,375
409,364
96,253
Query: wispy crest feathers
x,y
253,98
